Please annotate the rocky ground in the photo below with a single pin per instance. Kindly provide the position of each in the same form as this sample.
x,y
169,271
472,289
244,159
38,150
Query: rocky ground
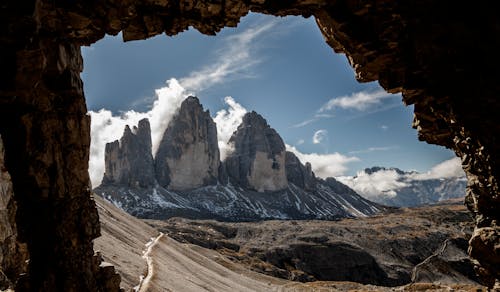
x,y
426,244
170,265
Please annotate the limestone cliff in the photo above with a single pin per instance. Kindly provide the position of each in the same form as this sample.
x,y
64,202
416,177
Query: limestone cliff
x,y
129,161
188,156
299,174
258,159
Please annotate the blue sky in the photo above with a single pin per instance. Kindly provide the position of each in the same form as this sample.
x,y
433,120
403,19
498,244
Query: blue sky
x,y
281,68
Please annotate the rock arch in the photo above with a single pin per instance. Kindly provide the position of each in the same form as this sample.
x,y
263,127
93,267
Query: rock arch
x,y
442,56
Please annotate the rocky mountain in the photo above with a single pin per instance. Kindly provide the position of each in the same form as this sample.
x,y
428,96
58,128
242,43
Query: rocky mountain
x,y
395,187
188,155
129,161
258,180
258,159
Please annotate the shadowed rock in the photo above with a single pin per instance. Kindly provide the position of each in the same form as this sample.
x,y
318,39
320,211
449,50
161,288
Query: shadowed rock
x,y
298,174
258,159
129,161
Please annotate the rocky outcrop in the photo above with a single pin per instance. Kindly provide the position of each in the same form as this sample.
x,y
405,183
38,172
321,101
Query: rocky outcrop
x,y
258,159
421,49
129,161
299,174
13,254
425,244
188,155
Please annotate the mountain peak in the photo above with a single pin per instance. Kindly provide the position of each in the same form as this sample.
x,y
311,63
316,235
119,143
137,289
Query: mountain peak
x,y
374,169
258,159
129,161
188,155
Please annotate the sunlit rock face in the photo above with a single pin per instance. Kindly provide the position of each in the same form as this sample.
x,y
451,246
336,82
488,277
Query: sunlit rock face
x,y
129,161
258,159
188,155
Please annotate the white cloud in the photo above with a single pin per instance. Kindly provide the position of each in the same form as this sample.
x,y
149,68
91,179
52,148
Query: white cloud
x,y
304,123
373,149
233,60
227,121
385,183
384,127
324,165
319,136
361,101
300,142
316,117
382,183
446,169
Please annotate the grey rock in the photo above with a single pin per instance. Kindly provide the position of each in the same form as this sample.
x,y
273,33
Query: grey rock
x,y
258,159
129,161
188,155
299,174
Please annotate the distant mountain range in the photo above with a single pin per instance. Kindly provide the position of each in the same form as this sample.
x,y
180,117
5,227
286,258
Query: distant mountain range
x,y
258,180
394,187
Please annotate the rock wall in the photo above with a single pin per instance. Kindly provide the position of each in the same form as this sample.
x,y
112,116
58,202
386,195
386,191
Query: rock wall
x,y
436,53
188,155
299,174
258,159
13,254
130,161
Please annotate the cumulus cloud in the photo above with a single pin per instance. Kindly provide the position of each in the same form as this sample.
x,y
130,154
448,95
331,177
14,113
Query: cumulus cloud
x,y
325,165
385,183
382,183
360,101
319,136
227,121
446,169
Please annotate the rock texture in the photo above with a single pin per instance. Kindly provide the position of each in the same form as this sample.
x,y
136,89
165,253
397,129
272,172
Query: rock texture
x,y
299,174
13,254
129,161
421,48
188,155
258,159
426,244
223,271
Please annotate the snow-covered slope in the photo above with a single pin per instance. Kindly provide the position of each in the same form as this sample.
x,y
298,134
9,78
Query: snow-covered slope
x,y
229,203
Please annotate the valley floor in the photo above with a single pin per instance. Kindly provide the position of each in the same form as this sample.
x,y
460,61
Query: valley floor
x,y
173,266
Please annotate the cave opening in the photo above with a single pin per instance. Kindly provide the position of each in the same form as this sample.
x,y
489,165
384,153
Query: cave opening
x,y
265,57
420,49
